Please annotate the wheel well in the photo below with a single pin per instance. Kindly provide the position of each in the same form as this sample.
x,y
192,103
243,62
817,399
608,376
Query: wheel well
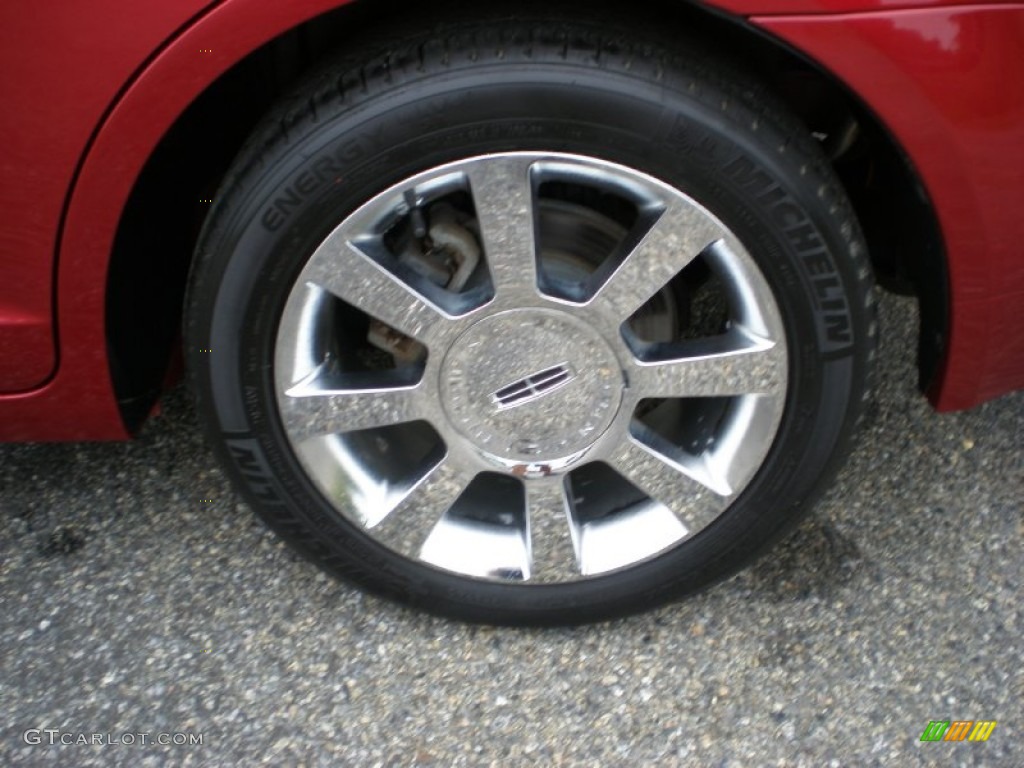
x,y
170,199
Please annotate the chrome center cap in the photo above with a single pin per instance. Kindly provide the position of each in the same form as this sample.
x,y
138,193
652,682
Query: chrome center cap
x,y
531,388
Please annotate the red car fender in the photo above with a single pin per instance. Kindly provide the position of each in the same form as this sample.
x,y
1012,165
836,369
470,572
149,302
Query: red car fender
x,y
60,71
79,402
802,7
949,84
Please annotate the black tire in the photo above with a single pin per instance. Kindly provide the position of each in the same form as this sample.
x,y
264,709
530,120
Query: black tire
x,y
673,112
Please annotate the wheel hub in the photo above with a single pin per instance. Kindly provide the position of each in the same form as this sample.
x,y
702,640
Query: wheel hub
x,y
531,389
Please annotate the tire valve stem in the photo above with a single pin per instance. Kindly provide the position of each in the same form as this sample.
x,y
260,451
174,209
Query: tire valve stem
x,y
416,217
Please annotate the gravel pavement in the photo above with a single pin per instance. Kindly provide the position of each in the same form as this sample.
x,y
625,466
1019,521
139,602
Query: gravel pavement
x,y
129,605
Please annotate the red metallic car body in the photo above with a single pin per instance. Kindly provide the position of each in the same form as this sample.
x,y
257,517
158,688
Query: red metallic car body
x,y
91,89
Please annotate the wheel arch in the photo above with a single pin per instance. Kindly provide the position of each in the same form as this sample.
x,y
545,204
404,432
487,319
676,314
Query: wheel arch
x,y
176,167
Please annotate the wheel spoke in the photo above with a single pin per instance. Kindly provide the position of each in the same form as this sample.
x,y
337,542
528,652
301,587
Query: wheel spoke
x,y
409,524
341,267
503,195
552,549
756,368
308,412
678,236
689,491
742,447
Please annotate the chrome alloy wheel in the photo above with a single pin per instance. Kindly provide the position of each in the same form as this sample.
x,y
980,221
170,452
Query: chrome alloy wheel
x,y
531,367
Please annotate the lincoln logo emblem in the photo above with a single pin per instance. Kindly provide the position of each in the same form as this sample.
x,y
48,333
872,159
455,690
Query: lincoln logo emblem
x,y
533,387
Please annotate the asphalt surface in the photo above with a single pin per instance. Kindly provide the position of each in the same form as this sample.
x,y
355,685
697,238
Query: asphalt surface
x,y
128,605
